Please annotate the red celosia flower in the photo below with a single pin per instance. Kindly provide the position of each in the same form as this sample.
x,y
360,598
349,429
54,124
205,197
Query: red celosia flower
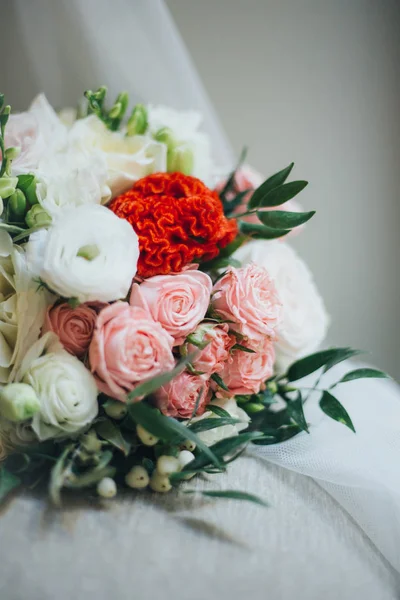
x,y
177,219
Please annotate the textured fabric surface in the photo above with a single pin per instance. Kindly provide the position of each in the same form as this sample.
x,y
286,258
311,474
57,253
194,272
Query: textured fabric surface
x,y
147,546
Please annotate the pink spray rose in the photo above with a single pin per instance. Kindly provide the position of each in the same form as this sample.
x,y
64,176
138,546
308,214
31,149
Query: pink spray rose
x,y
246,372
248,297
214,355
74,326
178,397
128,347
248,179
178,302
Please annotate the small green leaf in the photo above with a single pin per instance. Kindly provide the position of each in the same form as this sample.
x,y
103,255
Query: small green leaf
x,y
334,409
90,478
363,374
261,232
25,181
232,247
12,229
219,381
283,193
230,183
149,387
270,184
328,358
210,423
280,219
110,432
167,428
56,482
8,482
230,494
221,412
243,348
296,412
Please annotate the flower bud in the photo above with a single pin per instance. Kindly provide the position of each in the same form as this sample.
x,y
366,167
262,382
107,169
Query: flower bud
x,y
115,111
137,478
17,204
197,338
160,483
181,160
148,439
165,136
12,153
107,488
90,442
100,94
137,123
18,402
184,458
166,465
37,217
189,445
116,410
7,186
254,407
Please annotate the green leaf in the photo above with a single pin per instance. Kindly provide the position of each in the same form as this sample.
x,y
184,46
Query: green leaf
x,y
229,185
168,429
25,181
243,348
328,358
57,476
230,205
149,387
111,433
334,409
8,482
270,184
280,219
261,232
230,494
296,412
219,381
283,193
90,478
231,248
210,423
363,374
221,412
13,229
220,263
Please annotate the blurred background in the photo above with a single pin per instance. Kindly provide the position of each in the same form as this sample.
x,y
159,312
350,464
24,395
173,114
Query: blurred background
x,y
311,81
317,82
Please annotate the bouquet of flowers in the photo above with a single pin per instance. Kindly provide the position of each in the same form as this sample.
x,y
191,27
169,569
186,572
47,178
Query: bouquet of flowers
x,y
152,321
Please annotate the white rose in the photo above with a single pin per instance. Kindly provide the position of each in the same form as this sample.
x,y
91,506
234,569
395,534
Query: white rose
x,y
22,307
128,158
185,129
212,436
66,390
304,320
32,132
88,253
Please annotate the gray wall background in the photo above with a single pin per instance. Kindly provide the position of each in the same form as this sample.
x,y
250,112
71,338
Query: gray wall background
x,y
317,82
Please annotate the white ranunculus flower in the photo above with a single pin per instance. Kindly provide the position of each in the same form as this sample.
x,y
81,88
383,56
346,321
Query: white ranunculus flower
x,y
22,307
66,389
185,129
33,131
128,158
88,253
212,436
304,320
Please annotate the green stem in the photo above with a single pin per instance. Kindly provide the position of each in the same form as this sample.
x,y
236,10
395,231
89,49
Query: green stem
x,y
246,214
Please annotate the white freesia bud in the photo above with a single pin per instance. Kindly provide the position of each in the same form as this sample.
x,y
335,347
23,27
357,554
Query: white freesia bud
x,y
184,458
18,402
145,437
107,488
116,410
160,483
137,478
88,254
304,319
66,389
166,465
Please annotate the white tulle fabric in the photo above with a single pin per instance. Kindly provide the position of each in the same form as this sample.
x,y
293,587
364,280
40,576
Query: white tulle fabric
x,y
361,471
64,47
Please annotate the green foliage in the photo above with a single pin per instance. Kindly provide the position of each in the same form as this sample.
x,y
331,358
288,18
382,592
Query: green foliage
x,y
334,409
270,184
279,219
325,358
363,373
229,494
295,411
8,482
110,432
211,423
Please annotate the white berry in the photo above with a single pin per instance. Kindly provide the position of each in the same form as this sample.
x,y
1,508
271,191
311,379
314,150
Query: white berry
x,y
116,410
148,439
137,478
160,483
185,457
107,488
189,445
166,465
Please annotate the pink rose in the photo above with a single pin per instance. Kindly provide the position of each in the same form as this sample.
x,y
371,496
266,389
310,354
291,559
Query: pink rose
x,y
178,302
178,397
248,179
127,348
213,357
246,372
74,326
248,297
32,131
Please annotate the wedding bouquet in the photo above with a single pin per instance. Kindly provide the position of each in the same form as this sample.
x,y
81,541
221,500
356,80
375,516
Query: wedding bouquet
x,y
152,321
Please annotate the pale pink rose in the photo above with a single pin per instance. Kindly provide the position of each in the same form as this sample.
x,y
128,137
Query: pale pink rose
x,y
74,326
247,297
32,131
248,179
213,357
246,372
127,348
178,302
178,397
